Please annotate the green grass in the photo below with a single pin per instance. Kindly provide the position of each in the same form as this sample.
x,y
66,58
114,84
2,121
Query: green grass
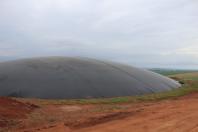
x,y
168,72
190,85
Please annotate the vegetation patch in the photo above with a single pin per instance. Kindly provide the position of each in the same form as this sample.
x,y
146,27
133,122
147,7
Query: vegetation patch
x,y
168,72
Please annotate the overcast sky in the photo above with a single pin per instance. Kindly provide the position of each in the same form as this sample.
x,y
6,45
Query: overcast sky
x,y
144,33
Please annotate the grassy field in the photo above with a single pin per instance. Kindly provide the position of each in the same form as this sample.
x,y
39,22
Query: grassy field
x,y
190,85
168,72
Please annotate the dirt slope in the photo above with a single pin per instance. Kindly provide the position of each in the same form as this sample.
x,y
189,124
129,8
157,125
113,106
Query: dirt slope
x,y
168,116
10,110
180,115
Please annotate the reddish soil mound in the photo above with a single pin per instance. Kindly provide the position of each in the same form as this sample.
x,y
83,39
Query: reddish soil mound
x,y
12,109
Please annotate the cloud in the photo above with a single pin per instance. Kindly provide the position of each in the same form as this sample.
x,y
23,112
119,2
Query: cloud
x,y
144,33
191,51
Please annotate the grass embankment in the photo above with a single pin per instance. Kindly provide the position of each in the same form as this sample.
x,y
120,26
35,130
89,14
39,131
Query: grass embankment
x,y
168,72
190,85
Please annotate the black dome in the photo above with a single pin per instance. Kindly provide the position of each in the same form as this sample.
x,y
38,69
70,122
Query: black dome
x,y
67,77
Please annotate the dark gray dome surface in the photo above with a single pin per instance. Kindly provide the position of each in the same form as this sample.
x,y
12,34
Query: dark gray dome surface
x,y
67,77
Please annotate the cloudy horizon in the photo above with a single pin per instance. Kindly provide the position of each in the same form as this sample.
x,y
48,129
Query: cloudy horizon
x,y
150,34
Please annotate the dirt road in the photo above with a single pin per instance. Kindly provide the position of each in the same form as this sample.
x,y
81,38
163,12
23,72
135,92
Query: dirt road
x,y
174,115
180,115
169,116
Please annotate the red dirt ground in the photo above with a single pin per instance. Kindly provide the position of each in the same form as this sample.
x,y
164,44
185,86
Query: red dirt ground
x,y
11,109
175,115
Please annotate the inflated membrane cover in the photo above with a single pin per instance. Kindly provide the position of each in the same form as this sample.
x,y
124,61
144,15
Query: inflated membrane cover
x,y
67,77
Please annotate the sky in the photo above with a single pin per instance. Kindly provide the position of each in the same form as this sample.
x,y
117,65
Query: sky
x,y
143,33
